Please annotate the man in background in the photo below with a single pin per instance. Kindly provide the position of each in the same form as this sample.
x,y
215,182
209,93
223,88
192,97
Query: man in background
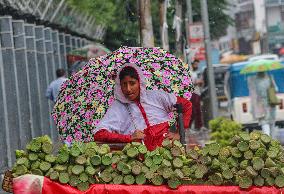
x,y
196,96
54,87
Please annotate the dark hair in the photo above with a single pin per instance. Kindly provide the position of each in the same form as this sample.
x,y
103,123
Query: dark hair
x,y
60,72
195,61
128,71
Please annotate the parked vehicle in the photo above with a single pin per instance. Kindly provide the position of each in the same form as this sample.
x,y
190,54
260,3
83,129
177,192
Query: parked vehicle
x,y
265,56
219,74
236,90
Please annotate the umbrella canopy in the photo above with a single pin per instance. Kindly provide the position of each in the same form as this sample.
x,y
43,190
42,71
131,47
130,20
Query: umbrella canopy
x,y
261,66
86,96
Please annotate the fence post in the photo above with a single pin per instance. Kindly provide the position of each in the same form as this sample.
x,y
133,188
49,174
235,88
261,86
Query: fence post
x,y
22,78
49,58
43,72
34,77
10,89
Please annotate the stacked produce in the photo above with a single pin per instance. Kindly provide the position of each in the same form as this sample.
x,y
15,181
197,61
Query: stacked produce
x,y
73,166
249,159
87,163
223,130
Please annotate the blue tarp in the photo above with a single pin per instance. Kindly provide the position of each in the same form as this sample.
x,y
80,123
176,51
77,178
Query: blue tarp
x,y
238,82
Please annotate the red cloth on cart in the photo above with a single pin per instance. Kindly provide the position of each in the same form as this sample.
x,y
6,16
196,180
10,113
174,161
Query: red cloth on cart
x,y
50,187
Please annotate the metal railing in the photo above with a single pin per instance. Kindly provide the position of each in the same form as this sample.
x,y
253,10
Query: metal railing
x,y
59,12
29,56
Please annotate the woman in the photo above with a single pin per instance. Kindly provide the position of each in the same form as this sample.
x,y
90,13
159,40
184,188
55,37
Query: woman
x,y
138,114
261,109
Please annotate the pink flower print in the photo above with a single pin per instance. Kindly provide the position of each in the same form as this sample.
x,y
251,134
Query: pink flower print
x,y
78,92
88,139
63,114
185,81
64,85
166,81
156,65
99,94
78,126
105,62
168,55
82,112
69,139
89,114
187,95
75,106
127,56
133,60
54,116
166,73
78,136
96,122
146,74
63,129
62,123
168,63
80,81
110,100
155,88
68,98
171,115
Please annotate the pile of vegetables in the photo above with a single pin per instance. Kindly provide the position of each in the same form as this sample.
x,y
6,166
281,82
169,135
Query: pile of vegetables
x,y
248,159
223,129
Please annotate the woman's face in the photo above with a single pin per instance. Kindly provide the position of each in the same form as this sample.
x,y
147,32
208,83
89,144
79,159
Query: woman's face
x,y
130,88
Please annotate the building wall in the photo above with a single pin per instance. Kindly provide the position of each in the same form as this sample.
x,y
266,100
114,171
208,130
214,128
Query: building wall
x,y
259,16
274,15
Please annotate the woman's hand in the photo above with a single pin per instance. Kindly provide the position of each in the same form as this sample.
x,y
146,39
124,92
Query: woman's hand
x,y
137,135
172,136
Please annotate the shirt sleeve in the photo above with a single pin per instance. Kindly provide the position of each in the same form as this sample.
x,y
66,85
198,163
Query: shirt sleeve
x,y
104,135
186,110
167,100
115,120
48,93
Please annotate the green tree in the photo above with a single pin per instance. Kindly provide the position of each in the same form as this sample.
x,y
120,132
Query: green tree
x,y
218,19
122,26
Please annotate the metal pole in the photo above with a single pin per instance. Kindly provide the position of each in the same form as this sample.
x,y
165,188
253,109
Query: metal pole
x,y
266,36
210,71
188,19
188,22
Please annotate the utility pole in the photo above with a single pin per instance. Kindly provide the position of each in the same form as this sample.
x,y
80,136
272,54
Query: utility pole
x,y
210,71
188,21
266,35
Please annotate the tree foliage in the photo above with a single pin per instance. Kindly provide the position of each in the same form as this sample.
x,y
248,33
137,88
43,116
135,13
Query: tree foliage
x,y
122,21
218,19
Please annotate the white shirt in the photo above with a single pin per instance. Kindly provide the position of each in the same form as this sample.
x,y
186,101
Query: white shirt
x,y
195,77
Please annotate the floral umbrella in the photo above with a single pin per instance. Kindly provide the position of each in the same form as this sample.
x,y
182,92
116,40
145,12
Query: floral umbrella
x,y
86,96
261,66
